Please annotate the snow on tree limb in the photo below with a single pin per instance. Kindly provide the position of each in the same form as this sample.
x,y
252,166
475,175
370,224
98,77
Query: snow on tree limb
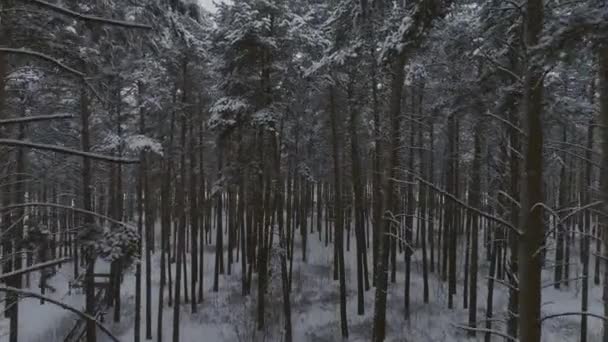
x,y
27,119
87,17
44,57
415,26
25,293
90,155
33,268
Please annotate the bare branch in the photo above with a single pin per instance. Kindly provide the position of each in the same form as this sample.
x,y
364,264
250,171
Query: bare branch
x,y
591,314
484,330
504,283
44,57
7,289
507,196
579,209
463,204
502,68
506,122
87,17
547,285
19,143
28,119
591,162
66,207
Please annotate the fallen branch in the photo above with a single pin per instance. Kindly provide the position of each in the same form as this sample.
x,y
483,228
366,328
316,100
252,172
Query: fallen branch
x,y
28,119
60,304
19,143
87,17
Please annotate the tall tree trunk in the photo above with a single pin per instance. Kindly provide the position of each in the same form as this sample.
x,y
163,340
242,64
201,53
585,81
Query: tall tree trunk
x,y
194,215
532,225
149,226
181,230
19,197
586,243
388,205
219,251
358,192
140,218
339,220
490,297
561,229
603,75
514,191
475,202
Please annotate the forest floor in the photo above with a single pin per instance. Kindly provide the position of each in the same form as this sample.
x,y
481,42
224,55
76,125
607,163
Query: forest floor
x,y
227,316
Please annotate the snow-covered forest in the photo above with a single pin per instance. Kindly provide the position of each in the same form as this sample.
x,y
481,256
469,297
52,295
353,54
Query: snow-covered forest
x,y
303,170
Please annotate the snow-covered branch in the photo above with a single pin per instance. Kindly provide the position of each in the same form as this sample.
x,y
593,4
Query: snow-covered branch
x,y
580,313
33,268
106,21
90,155
28,119
44,57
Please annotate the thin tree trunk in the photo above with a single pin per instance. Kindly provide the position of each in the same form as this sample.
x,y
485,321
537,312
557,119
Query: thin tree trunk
x,y
339,222
603,76
358,192
475,202
181,230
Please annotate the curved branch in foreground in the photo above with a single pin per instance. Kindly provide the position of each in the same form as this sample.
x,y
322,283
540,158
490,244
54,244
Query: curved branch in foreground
x,y
24,293
581,313
28,119
44,57
87,17
101,157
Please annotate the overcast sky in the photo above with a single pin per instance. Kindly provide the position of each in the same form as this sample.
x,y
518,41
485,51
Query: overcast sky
x,y
208,4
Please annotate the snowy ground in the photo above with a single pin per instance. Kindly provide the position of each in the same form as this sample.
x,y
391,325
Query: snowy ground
x,y
227,316
48,322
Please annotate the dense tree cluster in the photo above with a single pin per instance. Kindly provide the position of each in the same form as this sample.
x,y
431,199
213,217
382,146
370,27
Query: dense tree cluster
x,y
469,138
